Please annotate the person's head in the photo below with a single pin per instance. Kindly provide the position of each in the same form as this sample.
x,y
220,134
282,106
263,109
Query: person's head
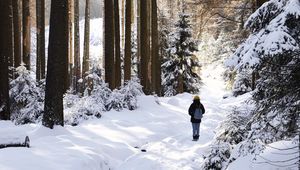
x,y
196,99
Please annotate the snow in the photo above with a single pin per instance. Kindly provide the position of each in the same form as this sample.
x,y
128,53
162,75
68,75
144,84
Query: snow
x,y
276,156
161,129
269,37
115,141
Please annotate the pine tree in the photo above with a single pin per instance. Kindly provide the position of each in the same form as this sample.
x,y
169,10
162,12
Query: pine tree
x,y
77,63
17,33
57,64
127,58
276,60
4,56
10,42
155,57
86,50
109,43
117,64
26,33
144,45
179,75
40,51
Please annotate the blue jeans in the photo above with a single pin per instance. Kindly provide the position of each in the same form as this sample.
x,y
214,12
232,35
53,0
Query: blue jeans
x,y
196,129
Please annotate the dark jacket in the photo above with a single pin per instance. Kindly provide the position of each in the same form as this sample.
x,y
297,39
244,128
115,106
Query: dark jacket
x,y
194,105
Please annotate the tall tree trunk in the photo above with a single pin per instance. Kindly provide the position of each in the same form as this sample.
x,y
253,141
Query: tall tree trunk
x,y
71,59
109,43
5,35
17,33
26,33
77,63
156,68
40,51
86,52
57,61
138,4
10,42
145,45
127,58
123,3
117,44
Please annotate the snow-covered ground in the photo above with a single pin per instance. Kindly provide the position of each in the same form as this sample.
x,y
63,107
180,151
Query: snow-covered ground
x,y
117,139
155,137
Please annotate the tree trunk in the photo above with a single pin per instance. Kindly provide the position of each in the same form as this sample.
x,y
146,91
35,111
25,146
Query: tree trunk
x,y
17,33
127,58
40,51
117,44
10,42
156,68
57,61
109,43
86,52
138,37
145,45
123,3
77,65
5,35
26,33
71,59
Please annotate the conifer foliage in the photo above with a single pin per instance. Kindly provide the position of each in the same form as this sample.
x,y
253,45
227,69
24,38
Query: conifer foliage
x,y
178,70
272,50
27,99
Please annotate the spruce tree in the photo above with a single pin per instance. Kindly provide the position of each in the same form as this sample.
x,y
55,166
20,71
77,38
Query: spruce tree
x,y
4,57
179,75
276,60
57,62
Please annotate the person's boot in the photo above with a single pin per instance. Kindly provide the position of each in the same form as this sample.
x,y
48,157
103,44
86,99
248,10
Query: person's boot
x,y
197,137
194,138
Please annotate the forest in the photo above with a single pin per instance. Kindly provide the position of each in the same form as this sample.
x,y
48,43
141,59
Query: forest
x,y
109,84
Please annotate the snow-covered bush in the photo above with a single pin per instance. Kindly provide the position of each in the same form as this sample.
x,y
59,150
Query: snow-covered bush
x,y
126,97
231,133
233,129
98,98
27,99
242,83
92,104
218,156
115,101
130,91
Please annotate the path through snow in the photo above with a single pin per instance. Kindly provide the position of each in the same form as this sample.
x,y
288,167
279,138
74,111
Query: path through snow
x,y
115,141
178,151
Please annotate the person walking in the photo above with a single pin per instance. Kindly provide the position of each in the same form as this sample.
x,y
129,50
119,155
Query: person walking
x,y
196,112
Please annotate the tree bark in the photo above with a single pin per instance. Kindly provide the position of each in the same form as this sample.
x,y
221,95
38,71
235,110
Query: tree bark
x,y
10,42
109,43
17,33
57,61
127,58
26,33
145,45
4,56
40,51
77,63
156,68
117,44
71,59
138,37
86,52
